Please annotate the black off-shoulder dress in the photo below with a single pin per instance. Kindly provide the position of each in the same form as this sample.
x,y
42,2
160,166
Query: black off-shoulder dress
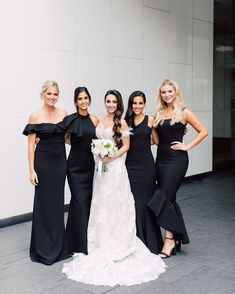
x,y
48,239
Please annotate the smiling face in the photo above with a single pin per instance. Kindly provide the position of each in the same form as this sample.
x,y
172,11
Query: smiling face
x,y
168,94
82,101
50,96
110,103
138,105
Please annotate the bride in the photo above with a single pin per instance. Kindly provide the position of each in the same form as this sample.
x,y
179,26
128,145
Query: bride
x,y
116,256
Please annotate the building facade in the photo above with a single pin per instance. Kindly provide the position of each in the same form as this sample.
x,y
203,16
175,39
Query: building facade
x,y
102,44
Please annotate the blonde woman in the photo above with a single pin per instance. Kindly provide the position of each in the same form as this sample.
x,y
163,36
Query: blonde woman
x,y
47,171
172,162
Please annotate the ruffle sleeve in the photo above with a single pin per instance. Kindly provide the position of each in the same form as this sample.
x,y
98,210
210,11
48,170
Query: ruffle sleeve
x,y
73,124
43,128
127,132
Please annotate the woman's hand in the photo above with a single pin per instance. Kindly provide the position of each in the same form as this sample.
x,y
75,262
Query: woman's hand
x,y
37,140
107,159
33,178
176,145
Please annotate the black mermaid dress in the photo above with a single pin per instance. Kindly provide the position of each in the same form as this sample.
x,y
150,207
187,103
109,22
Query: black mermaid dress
x,y
80,172
48,239
171,167
142,175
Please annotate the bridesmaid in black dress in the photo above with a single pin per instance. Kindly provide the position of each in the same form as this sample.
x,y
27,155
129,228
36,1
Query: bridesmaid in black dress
x,y
141,171
47,167
172,162
80,127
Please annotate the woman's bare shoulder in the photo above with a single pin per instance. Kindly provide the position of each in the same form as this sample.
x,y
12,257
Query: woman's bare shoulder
x,y
94,119
123,124
35,117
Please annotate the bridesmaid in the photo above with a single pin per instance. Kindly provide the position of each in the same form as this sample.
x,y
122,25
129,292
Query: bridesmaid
x,y
47,172
172,162
80,127
141,170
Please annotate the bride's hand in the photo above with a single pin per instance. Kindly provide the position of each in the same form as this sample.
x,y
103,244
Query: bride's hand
x,y
106,159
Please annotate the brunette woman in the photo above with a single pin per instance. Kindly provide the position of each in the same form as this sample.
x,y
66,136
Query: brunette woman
x,y
141,170
80,128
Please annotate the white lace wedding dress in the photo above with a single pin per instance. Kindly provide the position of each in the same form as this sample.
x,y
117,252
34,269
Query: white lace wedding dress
x,y
116,256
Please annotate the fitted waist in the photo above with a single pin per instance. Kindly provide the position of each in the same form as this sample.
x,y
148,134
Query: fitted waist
x,y
46,142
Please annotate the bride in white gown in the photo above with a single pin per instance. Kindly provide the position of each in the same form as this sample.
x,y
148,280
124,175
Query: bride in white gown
x,y
116,256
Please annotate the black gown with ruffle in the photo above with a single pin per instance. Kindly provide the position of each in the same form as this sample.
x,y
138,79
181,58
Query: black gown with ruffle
x,y
80,172
48,239
171,167
142,175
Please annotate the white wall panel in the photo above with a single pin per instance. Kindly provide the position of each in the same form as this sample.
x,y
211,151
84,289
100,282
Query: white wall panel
x,y
127,76
127,28
15,57
202,153
182,73
203,9
93,43
15,189
181,31
159,4
156,51
55,65
54,24
202,65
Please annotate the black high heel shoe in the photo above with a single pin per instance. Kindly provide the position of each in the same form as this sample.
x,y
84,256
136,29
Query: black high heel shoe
x,y
178,245
173,250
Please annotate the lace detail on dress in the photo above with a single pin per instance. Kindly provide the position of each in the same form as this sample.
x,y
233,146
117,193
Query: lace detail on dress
x,y
107,132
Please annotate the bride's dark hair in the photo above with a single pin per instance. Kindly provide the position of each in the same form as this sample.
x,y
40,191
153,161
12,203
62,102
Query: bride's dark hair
x,y
117,116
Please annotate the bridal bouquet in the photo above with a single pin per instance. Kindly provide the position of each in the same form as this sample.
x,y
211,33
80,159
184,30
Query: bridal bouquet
x,y
102,148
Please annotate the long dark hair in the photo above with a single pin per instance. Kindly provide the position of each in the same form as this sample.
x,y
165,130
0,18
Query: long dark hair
x,y
117,116
129,116
79,90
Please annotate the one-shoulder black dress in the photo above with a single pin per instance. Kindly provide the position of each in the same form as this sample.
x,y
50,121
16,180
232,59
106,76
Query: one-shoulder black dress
x,y
48,239
171,167
80,172
142,175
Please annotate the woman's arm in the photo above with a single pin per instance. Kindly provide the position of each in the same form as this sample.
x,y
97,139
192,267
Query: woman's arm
x,y
154,135
31,146
95,120
192,119
67,138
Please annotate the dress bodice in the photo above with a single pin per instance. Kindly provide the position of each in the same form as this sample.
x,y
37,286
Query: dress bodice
x,y
141,139
46,132
104,132
168,133
81,129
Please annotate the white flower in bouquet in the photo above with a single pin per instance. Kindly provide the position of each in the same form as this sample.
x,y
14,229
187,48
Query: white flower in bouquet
x,y
102,148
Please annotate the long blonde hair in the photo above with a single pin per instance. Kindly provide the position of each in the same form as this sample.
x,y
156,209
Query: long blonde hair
x,y
178,104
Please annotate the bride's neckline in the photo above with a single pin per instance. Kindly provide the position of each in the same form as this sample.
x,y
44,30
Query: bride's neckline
x,y
105,123
102,126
